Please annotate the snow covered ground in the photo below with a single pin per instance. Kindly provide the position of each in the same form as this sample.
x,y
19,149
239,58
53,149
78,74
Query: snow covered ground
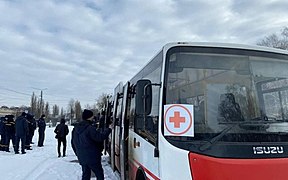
x,y
42,163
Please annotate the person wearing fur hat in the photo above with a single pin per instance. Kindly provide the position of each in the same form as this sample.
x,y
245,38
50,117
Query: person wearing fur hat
x,y
85,143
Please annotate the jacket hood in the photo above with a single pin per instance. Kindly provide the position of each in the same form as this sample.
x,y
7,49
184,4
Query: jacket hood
x,y
80,127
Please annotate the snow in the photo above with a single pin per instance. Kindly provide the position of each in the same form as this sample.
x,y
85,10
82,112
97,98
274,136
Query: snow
x,y
42,163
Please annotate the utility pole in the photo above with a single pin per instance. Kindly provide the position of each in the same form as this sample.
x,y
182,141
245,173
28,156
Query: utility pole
x,y
41,101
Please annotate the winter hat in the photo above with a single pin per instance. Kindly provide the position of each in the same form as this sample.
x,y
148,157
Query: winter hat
x,y
62,121
87,114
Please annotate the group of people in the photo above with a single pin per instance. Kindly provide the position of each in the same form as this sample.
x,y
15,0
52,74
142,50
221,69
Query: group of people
x,y
20,130
87,138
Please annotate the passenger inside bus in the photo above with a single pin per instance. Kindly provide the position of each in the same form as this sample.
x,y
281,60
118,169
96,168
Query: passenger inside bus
x,y
228,109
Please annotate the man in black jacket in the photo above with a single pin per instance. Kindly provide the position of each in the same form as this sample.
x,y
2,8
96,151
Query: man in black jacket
x,y
41,130
21,131
31,128
85,143
10,131
61,131
2,134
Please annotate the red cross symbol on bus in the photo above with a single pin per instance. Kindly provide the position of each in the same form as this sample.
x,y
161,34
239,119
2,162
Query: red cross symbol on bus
x,y
177,119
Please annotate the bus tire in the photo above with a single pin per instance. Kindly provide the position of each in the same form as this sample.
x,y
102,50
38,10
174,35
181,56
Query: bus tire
x,y
140,174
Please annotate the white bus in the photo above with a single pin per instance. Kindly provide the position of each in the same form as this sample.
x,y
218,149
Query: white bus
x,y
203,111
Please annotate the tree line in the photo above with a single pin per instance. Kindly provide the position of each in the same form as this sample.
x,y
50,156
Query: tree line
x,y
73,112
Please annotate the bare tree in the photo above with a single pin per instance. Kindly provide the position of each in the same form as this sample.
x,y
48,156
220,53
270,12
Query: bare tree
x,y
62,112
33,104
71,108
47,109
87,106
55,110
102,101
78,110
40,106
276,41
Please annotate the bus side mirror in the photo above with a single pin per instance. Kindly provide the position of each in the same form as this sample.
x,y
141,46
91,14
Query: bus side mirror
x,y
143,96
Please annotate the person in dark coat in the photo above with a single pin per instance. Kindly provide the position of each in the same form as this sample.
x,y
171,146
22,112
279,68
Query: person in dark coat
x,y
41,130
21,131
2,134
10,131
31,128
61,131
85,143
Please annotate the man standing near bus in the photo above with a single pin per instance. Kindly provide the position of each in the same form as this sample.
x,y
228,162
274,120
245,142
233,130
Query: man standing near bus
x,y
21,131
85,143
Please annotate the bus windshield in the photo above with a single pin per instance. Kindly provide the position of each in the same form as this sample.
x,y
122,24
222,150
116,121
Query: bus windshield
x,y
239,96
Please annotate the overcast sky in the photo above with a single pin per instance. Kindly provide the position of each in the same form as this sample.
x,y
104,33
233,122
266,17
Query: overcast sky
x,y
82,48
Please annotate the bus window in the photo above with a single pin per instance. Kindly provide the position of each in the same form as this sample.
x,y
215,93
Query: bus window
x,y
118,112
148,127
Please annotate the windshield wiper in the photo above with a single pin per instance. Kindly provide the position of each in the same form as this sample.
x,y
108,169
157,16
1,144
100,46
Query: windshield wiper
x,y
221,134
217,137
255,121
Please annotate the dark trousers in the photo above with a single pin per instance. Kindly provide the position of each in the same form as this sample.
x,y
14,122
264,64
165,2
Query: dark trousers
x,y
27,142
64,142
41,138
8,138
3,142
96,168
30,137
23,141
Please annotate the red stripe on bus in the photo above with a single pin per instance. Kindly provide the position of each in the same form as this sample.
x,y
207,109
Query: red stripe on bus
x,y
147,171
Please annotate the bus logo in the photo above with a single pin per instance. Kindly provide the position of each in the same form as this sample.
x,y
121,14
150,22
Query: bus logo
x,y
268,150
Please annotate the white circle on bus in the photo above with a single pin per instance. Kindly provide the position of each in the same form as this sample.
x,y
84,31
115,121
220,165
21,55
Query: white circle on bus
x,y
178,120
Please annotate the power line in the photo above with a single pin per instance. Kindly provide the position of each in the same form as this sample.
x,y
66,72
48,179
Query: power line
x,y
11,90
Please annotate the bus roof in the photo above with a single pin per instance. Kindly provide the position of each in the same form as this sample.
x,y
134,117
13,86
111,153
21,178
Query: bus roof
x,y
217,45
226,45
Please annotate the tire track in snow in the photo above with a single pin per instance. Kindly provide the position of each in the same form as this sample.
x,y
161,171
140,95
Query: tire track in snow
x,y
41,167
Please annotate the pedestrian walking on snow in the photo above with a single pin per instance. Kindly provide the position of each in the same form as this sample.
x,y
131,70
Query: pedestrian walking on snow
x,y
61,131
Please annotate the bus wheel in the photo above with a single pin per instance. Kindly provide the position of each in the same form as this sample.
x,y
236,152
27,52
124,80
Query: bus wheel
x,y
140,174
